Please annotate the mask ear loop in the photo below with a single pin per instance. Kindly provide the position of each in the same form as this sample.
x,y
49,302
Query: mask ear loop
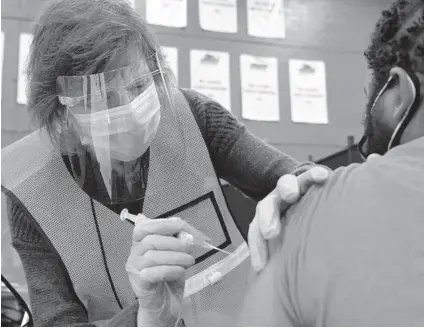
x,y
364,139
410,112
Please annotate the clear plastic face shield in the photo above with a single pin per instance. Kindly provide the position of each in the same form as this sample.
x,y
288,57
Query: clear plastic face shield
x,y
114,117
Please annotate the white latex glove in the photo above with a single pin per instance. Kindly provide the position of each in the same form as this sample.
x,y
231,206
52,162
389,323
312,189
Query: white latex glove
x,y
156,268
372,157
266,224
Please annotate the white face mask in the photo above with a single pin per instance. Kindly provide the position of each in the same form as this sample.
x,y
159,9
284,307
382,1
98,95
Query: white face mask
x,y
125,131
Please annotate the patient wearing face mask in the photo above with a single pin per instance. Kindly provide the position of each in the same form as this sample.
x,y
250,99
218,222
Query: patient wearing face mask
x,y
352,251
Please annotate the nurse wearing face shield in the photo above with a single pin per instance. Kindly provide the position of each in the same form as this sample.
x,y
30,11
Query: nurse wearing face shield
x,y
116,133
114,116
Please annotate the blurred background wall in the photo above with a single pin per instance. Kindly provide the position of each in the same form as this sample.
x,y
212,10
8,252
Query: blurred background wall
x,y
334,31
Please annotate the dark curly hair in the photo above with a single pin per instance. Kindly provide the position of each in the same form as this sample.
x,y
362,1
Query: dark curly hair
x,y
398,40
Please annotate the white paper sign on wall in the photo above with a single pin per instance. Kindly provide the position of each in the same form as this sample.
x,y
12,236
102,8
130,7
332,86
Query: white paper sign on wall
x,y
172,13
259,88
218,15
1,61
210,75
308,91
266,19
25,40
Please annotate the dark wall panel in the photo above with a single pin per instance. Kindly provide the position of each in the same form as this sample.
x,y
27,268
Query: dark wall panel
x,y
334,31
330,30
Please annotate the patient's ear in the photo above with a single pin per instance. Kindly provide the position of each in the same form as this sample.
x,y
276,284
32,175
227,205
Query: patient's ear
x,y
404,93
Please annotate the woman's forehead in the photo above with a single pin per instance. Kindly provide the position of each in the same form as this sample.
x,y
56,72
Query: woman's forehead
x,y
130,58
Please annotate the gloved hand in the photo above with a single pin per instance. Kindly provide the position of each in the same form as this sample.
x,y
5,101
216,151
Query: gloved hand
x,y
372,157
266,224
156,268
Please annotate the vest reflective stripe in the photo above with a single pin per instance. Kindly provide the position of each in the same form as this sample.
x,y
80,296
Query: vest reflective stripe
x,y
179,168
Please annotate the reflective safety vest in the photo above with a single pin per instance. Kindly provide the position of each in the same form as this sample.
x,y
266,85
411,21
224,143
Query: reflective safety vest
x,y
94,243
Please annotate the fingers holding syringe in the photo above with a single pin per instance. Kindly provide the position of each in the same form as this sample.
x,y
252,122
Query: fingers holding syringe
x,y
158,255
159,243
163,227
153,259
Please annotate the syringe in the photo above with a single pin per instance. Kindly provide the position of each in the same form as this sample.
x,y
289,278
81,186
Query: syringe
x,y
188,238
189,234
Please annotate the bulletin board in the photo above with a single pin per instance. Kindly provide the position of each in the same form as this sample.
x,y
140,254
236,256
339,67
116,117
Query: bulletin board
x,y
325,30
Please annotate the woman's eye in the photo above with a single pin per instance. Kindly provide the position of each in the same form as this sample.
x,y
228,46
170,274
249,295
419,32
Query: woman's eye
x,y
110,96
137,89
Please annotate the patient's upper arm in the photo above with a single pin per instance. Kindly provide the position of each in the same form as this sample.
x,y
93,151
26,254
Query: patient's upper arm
x,y
273,298
287,292
351,255
266,302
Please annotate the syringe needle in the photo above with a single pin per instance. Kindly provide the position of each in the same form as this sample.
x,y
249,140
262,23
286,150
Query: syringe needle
x,y
218,249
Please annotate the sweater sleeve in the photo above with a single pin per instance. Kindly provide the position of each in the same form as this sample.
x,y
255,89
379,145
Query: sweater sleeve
x,y
52,295
245,161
